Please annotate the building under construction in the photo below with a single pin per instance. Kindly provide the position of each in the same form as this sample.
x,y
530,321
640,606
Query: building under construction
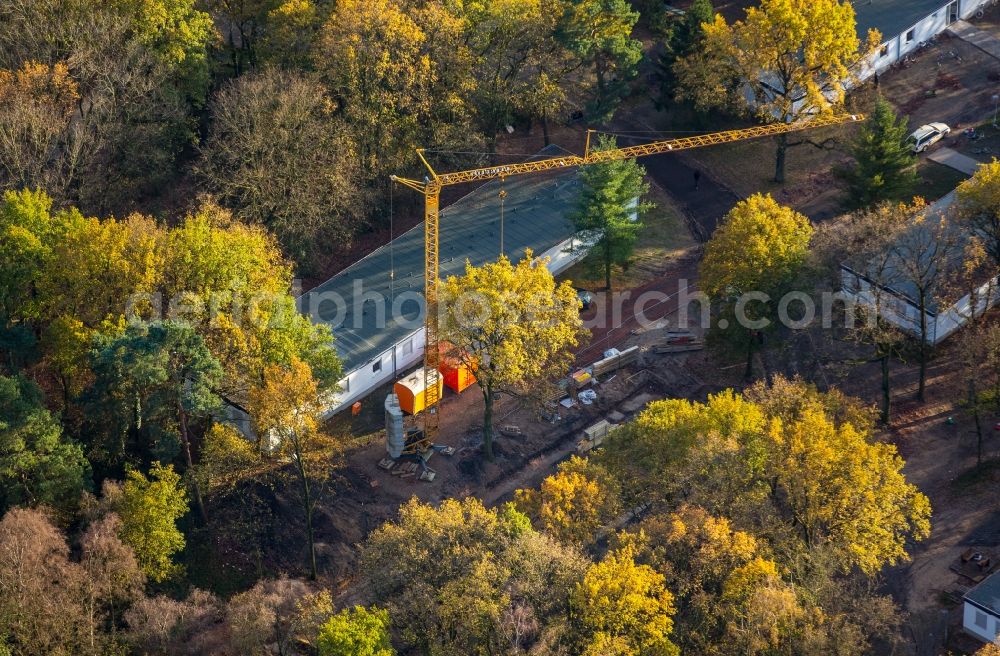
x,y
375,306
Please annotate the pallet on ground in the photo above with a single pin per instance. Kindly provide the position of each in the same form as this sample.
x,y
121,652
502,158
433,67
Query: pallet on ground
x,y
405,469
616,362
593,436
679,341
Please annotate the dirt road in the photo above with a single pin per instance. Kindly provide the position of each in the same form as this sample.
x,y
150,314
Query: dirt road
x,y
704,205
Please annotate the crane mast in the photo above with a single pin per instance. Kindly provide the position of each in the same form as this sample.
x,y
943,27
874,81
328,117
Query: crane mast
x,y
431,186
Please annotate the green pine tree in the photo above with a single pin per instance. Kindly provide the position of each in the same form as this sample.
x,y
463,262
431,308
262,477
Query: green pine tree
x,y
38,464
609,206
884,166
152,384
683,38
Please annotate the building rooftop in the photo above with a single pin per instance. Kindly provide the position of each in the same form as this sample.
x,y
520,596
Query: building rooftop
x,y
987,593
892,17
905,288
536,216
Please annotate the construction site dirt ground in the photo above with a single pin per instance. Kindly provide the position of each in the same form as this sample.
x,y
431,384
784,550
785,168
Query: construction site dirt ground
x,y
949,80
940,458
365,496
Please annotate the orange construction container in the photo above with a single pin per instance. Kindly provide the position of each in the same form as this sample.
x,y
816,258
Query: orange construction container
x,y
412,391
457,375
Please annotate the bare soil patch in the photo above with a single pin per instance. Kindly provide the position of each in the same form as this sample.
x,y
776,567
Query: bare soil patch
x,y
949,81
367,496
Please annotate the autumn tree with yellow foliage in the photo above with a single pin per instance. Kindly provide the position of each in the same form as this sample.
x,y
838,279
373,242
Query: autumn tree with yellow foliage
x,y
845,491
149,508
292,29
842,490
979,206
759,501
668,439
735,595
231,281
787,59
574,503
67,278
226,458
373,56
756,252
784,449
621,608
80,280
286,410
763,613
85,274
697,553
460,578
513,324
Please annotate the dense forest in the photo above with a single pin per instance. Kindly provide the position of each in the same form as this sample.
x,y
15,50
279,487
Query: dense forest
x,y
291,114
170,167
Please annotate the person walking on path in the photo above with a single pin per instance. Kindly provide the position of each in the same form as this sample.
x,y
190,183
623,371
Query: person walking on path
x,y
697,178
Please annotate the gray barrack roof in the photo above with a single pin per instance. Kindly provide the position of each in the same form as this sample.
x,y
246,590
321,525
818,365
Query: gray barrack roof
x,y
986,595
892,17
537,212
904,287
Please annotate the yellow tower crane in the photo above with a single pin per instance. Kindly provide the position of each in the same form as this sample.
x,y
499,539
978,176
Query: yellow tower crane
x,y
431,186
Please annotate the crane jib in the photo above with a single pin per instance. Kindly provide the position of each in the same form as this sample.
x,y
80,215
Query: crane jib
x,y
506,170
627,152
431,186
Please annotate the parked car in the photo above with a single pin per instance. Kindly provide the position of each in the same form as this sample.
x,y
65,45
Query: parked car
x,y
926,136
585,298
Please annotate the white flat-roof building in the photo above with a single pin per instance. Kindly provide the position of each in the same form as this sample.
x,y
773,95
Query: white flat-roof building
x,y
898,296
905,25
981,609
